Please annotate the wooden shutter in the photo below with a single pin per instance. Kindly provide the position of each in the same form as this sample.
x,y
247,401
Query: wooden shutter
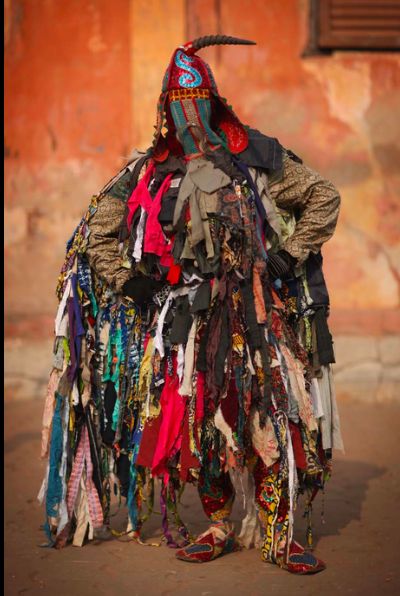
x,y
360,24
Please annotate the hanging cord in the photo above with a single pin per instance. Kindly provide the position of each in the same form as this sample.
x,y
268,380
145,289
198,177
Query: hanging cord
x,y
308,515
312,492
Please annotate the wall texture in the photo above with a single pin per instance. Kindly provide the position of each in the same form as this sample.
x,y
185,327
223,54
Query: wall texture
x,y
67,129
81,84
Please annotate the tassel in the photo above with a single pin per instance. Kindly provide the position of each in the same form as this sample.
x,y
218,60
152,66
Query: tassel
x,y
309,533
164,512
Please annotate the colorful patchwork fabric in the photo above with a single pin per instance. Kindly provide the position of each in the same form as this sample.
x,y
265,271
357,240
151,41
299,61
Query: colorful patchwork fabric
x,y
300,561
218,540
206,367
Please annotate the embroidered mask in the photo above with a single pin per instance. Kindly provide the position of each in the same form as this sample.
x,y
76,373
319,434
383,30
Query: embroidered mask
x,y
190,107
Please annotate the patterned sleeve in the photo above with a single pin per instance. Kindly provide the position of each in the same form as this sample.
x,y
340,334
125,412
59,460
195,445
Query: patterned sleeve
x,y
103,243
316,203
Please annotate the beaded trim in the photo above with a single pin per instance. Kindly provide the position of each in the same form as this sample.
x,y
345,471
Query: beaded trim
x,y
178,94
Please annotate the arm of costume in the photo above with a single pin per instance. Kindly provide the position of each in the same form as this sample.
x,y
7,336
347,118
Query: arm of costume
x,y
316,202
103,244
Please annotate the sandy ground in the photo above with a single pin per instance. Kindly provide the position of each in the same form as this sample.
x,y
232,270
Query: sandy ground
x,y
359,541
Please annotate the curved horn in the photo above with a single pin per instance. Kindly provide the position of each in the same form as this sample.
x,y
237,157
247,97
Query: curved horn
x,y
215,40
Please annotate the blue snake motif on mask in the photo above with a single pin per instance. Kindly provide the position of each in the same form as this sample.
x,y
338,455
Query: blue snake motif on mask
x,y
191,78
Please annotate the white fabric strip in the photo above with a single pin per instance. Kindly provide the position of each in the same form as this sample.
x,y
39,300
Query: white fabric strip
x,y
158,340
75,394
329,423
60,330
180,362
316,399
186,387
137,250
292,483
43,489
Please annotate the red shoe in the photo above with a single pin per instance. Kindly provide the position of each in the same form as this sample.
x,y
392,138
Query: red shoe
x,y
218,540
300,561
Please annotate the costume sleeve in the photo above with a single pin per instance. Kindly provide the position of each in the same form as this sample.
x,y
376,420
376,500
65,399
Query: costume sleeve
x,y
103,243
104,225
316,203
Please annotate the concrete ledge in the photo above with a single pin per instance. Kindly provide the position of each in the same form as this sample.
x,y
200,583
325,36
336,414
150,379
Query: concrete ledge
x,y
350,323
378,322
367,367
27,365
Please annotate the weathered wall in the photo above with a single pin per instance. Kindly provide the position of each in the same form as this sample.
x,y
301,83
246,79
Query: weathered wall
x,y
67,129
82,80
341,113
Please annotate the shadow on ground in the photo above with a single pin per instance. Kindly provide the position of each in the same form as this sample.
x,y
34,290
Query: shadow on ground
x,y
356,540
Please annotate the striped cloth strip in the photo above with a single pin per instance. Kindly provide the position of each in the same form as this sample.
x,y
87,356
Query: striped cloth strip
x,y
83,456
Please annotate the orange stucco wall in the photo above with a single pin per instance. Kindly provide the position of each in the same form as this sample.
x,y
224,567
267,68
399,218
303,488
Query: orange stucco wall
x,y
67,129
82,80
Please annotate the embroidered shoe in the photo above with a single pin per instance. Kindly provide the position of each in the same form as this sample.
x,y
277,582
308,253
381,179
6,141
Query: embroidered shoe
x,y
218,540
300,561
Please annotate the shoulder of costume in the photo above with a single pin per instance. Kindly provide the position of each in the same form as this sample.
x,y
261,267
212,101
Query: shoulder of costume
x,y
262,151
292,155
121,185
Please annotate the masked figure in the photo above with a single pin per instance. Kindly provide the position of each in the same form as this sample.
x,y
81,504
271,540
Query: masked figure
x,y
192,342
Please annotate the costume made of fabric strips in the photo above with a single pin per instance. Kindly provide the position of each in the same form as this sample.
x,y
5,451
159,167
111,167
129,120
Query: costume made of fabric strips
x,y
177,356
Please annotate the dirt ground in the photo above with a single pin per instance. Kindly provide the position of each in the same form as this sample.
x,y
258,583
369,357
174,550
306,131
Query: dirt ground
x,y
359,541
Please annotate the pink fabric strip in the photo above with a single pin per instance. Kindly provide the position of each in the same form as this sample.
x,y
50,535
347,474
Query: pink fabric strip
x,y
75,478
83,455
95,509
140,195
154,239
170,434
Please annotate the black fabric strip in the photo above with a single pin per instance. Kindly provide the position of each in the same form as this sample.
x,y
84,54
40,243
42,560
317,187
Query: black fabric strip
x,y
324,338
262,152
222,348
253,330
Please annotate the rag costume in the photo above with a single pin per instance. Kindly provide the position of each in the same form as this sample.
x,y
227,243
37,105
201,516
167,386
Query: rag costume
x,y
191,338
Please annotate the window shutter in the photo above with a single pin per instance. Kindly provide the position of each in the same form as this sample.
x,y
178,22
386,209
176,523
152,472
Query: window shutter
x,y
363,24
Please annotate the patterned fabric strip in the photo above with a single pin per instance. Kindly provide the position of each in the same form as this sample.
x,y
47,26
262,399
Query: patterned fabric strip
x,y
83,456
73,483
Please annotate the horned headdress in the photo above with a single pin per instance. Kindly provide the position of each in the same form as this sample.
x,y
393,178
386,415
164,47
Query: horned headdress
x,y
189,96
